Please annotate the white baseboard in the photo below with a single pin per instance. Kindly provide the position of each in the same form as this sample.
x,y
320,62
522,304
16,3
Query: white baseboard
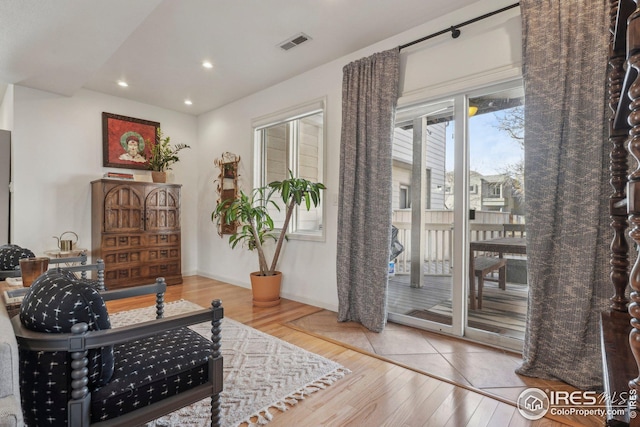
x,y
286,295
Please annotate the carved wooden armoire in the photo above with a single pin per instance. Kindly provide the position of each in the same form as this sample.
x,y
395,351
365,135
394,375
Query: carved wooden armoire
x,y
136,231
621,323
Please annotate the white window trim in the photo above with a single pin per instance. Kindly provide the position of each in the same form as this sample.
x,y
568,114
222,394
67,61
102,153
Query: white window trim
x,y
302,110
288,114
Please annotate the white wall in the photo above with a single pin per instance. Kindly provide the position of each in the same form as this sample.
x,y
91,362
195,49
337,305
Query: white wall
x,y
6,108
486,51
57,152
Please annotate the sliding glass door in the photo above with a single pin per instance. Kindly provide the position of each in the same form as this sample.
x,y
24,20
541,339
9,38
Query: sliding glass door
x,y
458,185
421,292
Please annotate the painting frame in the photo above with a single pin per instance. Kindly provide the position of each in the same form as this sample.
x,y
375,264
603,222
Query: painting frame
x,y
125,141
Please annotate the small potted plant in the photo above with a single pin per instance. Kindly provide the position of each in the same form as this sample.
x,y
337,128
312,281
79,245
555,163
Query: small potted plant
x,y
162,155
255,226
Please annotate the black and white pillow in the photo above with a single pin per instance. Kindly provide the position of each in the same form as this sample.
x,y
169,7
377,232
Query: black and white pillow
x,y
10,256
56,301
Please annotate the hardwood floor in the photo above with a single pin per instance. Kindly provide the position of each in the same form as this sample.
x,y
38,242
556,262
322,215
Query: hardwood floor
x,y
376,393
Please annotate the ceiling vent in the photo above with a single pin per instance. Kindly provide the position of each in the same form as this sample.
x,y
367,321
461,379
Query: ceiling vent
x,y
294,41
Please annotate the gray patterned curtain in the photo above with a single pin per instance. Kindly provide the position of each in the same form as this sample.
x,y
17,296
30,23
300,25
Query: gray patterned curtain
x,y
565,45
369,96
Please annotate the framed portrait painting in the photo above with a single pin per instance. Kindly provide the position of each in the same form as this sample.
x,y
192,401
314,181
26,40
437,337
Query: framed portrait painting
x,y
125,141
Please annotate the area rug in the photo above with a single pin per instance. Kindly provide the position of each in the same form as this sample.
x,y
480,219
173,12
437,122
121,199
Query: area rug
x,y
503,311
261,372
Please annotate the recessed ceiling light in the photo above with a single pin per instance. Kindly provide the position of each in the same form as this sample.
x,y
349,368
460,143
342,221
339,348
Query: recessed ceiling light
x,y
207,64
122,83
188,102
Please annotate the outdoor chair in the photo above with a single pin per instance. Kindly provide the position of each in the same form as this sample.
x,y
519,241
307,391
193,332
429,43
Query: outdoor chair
x,y
76,370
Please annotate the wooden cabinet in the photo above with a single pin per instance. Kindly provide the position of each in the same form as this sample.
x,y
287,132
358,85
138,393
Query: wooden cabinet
x,y
136,231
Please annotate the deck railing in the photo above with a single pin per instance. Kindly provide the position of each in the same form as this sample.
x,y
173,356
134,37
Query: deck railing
x,y
439,243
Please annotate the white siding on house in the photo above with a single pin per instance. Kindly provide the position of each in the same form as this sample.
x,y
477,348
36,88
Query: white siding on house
x,y
309,147
310,167
276,152
402,149
401,176
435,138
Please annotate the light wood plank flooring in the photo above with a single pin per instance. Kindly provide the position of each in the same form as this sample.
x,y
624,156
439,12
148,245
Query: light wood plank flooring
x,y
376,393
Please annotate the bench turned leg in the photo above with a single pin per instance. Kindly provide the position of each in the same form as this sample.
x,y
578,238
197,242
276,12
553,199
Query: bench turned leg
x,y
480,287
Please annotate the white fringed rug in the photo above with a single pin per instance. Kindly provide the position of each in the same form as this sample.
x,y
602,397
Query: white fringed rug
x,y
261,372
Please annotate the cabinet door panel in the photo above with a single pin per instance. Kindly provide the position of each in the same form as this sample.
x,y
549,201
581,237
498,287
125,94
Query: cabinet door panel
x,y
123,207
162,207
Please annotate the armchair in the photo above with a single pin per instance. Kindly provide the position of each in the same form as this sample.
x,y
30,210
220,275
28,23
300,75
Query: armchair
x,y
77,371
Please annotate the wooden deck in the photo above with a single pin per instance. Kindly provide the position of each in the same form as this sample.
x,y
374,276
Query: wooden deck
x,y
503,312
404,299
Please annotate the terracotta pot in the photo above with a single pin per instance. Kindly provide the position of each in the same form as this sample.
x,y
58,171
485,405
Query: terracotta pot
x,y
158,176
266,289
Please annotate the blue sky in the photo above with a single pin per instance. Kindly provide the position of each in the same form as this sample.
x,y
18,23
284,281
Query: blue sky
x,y
490,148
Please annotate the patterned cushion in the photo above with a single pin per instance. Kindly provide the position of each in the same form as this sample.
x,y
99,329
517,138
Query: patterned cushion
x,y
151,369
55,301
10,256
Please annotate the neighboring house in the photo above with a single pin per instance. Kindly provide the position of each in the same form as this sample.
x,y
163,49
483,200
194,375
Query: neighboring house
x,y
498,193
495,193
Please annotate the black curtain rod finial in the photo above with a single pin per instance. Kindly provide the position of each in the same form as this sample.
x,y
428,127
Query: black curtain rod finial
x,y
455,33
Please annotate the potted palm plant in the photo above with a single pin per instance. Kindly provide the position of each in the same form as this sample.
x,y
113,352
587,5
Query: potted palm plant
x,y
255,226
162,155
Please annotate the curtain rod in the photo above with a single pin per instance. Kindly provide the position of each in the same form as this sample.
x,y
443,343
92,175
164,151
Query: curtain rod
x,y
455,31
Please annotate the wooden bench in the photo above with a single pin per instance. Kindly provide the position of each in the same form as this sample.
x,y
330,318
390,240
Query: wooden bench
x,y
483,266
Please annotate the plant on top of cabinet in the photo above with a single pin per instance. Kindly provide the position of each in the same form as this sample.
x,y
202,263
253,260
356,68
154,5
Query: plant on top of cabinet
x,y
162,155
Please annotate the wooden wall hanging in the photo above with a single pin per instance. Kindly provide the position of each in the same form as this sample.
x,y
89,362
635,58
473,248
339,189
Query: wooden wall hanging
x,y
227,186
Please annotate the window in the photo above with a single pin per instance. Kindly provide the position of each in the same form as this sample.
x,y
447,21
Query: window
x,y
495,190
293,140
405,196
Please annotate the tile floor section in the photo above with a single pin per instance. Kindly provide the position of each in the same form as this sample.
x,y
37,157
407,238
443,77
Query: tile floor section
x,y
464,363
